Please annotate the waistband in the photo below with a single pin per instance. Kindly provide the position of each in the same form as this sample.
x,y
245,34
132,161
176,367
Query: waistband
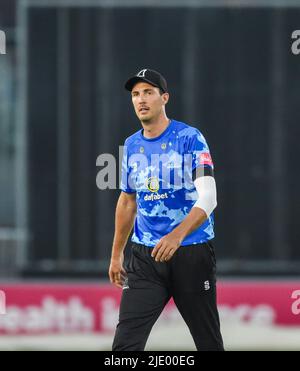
x,y
200,244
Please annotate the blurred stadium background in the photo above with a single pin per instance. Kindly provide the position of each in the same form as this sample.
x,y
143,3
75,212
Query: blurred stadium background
x,y
232,74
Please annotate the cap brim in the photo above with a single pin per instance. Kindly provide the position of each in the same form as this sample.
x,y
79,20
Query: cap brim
x,y
134,80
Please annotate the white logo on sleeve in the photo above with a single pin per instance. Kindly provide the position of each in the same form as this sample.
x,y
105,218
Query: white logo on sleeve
x,y
206,285
142,73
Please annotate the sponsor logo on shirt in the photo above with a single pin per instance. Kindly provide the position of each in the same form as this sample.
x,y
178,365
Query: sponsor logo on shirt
x,y
205,159
152,184
156,197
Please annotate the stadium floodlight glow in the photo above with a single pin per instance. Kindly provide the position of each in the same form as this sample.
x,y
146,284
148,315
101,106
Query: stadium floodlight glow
x,y
2,302
2,42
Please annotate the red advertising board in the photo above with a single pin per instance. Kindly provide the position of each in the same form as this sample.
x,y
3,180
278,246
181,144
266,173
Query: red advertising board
x,y
91,308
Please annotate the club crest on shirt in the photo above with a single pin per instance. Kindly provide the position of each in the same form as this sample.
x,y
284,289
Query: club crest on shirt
x,y
152,184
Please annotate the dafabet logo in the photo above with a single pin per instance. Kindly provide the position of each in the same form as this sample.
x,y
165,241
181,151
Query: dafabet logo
x,y
2,302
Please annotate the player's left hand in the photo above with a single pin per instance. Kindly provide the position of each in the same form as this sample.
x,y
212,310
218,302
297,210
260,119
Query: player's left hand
x,y
166,248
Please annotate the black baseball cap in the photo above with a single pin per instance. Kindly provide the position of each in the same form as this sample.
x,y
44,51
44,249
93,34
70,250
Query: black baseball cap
x,y
151,77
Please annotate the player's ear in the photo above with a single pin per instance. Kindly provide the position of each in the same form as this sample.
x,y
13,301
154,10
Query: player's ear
x,y
165,98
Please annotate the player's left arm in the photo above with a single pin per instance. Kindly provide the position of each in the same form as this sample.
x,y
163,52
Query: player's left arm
x,y
204,206
203,176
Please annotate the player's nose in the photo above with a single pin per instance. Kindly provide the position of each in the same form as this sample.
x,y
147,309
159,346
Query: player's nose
x,y
141,101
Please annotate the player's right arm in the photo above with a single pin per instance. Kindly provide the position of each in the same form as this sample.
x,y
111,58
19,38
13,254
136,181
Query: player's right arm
x,y
124,220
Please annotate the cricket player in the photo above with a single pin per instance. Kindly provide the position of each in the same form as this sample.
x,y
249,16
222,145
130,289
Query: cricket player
x,y
168,197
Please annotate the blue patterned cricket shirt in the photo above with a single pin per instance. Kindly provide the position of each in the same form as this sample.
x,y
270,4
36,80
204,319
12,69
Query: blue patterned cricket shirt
x,y
159,171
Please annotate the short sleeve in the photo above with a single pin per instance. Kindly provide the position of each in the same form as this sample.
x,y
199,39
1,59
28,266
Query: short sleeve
x,y
126,184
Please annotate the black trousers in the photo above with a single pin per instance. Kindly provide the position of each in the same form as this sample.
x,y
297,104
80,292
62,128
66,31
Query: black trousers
x,y
189,277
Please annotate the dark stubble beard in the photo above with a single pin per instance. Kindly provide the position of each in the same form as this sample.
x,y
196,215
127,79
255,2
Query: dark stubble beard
x,y
148,121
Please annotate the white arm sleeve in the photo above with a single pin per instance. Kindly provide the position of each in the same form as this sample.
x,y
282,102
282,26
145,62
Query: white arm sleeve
x,y
207,194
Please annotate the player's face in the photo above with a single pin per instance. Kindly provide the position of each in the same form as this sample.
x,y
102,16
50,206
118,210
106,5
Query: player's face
x,y
147,101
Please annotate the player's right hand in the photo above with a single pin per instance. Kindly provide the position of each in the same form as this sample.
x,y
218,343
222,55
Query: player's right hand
x,y
117,273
